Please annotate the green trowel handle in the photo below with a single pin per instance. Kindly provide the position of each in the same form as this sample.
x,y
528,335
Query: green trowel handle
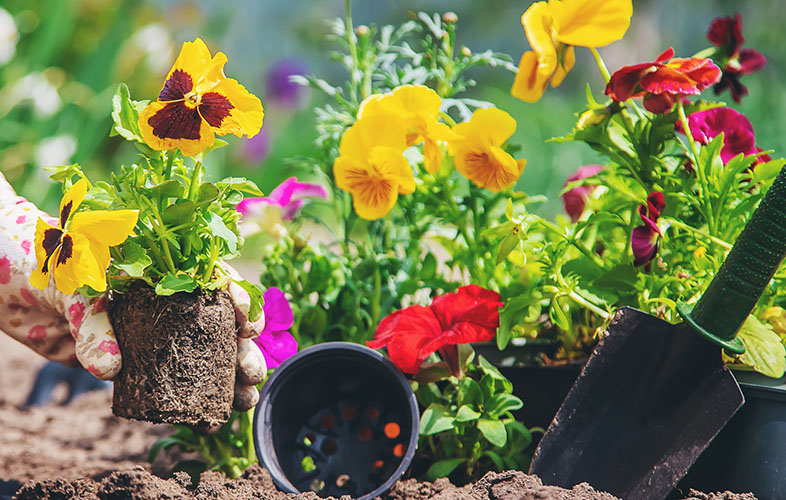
x,y
745,273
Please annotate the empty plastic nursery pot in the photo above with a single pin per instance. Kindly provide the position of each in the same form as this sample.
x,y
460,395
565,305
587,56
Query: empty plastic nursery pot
x,y
336,419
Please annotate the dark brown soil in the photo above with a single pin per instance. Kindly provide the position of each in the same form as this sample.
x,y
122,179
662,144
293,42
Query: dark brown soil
x,y
179,355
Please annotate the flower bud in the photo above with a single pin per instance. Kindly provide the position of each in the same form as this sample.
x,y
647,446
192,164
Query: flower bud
x,y
449,17
466,52
362,30
591,117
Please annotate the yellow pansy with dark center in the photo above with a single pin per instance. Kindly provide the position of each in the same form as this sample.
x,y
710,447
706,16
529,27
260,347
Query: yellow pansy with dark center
x,y
76,252
478,153
197,102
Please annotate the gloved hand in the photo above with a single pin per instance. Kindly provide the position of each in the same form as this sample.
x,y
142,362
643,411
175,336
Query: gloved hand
x,y
73,329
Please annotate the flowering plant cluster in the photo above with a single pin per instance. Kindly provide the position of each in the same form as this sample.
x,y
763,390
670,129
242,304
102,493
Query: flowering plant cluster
x,y
650,228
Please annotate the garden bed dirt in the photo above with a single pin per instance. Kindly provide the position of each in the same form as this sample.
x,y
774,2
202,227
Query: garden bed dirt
x,y
81,451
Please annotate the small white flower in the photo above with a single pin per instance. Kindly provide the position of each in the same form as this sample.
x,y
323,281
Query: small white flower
x,y
9,35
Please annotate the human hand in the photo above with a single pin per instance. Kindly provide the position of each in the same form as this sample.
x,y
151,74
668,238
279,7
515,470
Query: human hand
x,y
73,329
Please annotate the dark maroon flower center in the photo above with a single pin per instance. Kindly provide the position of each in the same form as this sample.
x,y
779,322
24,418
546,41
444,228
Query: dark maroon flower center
x,y
52,237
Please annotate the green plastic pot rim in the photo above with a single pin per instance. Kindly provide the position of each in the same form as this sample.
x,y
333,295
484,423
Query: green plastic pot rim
x,y
733,345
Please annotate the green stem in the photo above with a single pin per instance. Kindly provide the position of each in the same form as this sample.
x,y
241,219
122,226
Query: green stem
x,y
375,304
723,244
212,263
701,174
353,50
196,175
160,228
169,161
604,71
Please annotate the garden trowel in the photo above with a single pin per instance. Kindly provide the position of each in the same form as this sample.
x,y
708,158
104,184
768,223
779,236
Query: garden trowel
x,y
653,395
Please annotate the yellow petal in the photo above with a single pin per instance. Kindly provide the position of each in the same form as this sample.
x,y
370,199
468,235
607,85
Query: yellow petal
x,y
246,114
492,168
568,60
418,99
505,161
194,59
78,267
491,127
529,84
432,156
390,164
71,201
380,104
161,139
590,23
108,227
537,22
373,196
371,131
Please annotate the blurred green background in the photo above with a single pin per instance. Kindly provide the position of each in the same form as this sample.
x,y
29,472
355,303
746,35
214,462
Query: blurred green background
x,y
61,60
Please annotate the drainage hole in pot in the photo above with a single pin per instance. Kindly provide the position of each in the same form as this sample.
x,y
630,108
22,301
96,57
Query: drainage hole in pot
x,y
365,434
309,439
317,485
329,447
398,450
348,413
342,480
392,430
308,464
378,464
373,412
328,421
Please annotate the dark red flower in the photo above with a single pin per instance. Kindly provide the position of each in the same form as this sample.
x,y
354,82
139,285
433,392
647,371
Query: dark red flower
x,y
470,314
644,239
661,83
726,34
575,199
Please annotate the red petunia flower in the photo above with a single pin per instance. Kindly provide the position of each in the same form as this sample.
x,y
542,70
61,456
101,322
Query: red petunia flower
x,y
470,314
726,34
644,239
661,83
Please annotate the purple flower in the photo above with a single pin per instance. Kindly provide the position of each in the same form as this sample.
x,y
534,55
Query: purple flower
x,y
267,213
275,342
575,199
256,149
738,136
644,239
280,88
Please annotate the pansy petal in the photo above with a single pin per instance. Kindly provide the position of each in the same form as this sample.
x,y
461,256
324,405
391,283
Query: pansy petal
x,y
529,84
568,60
166,126
590,23
371,131
71,201
107,227
245,114
537,23
418,99
751,61
392,164
432,156
493,123
380,104
194,60
74,266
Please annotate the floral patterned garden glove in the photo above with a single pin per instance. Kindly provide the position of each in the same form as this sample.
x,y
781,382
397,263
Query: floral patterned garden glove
x,y
73,329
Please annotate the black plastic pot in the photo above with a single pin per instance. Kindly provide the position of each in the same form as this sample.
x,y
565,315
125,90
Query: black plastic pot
x,y
337,419
8,489
748,455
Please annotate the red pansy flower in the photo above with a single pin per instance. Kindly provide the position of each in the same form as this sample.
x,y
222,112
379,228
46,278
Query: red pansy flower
x,y
661,83
470,314
726,34
197,103
644,239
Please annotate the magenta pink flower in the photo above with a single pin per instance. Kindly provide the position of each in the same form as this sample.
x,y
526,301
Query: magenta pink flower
x,y
738,136
726,34
289,195
644,239
5,270
275,342
575,199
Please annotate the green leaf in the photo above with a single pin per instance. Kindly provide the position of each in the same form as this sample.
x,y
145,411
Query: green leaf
x,y
768,171
443,468
429,267
166,189
173,284
513,312
432,372
494,431
466,414
163,444
502,403
470,393
240,184
220,230
135,259
764,351
125,114
207,193
507,246
435,419
179,213
257,298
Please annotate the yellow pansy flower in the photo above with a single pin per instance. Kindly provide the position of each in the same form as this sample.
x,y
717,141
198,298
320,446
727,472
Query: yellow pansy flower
x,y
478,154
371,165
76,252
553,28
198,102
418,106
